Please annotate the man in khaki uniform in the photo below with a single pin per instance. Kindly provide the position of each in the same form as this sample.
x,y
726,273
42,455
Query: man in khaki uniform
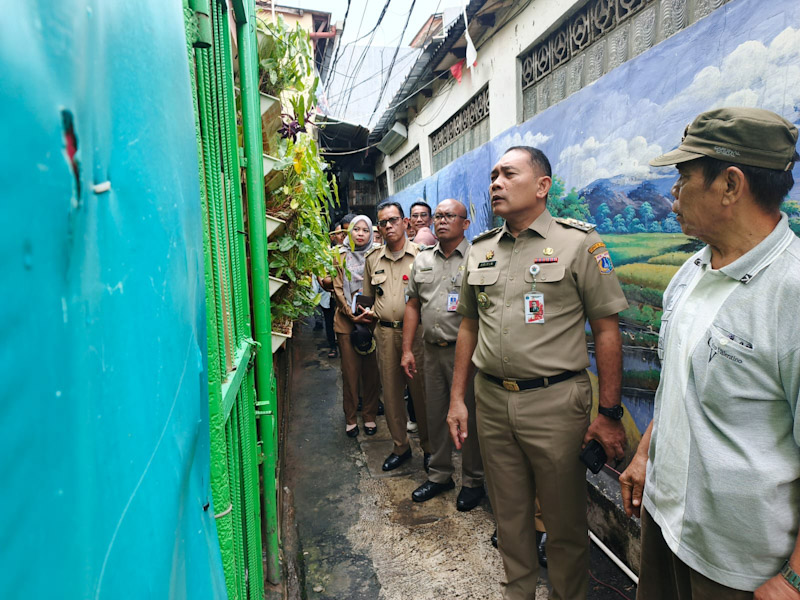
x,y
531,285
387,272
433,294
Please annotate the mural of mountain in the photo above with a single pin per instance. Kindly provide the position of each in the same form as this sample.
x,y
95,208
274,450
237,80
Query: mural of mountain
x,y
618,198
647,192
603,191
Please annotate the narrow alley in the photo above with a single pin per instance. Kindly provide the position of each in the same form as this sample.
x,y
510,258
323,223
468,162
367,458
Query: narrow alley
x,y
357,533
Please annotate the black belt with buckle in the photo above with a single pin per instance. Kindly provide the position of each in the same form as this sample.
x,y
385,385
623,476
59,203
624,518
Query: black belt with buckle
x,y
391,324
442,344
517,385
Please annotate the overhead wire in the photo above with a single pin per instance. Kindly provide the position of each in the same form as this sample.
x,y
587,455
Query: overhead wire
x,y
370,32
358,31
363,56
338,46
369,78
414,92
394,56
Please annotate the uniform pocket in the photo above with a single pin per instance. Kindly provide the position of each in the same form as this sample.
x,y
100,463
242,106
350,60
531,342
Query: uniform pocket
x,y
549,281
423,276
378,279
547,274
480,277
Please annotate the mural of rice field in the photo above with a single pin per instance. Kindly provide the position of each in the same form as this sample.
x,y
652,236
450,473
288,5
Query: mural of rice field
x,y
600,139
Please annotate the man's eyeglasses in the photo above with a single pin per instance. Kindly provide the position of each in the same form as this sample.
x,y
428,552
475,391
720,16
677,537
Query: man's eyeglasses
x,y
391,221
419,215
448,217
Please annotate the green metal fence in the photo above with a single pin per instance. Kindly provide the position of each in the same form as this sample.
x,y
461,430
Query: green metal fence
x,y
232,281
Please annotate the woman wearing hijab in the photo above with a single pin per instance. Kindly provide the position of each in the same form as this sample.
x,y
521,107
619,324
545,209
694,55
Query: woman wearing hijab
x,y
357,357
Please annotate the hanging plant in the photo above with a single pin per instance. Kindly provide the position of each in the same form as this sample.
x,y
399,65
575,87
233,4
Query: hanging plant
x,y
303,251
285,57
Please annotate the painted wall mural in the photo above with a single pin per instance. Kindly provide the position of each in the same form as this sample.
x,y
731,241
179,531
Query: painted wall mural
x,y
600,139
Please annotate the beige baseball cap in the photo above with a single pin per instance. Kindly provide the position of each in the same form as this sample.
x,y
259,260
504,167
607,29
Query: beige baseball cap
x,y
747,136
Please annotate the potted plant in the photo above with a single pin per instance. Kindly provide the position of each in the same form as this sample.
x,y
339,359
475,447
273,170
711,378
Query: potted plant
x,y
302,251
285,59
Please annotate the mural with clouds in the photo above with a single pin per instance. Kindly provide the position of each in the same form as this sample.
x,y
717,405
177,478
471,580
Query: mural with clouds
x,y
600,139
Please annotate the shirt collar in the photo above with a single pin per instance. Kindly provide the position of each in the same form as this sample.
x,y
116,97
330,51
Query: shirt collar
x,y
385,252
540,225
461,248
746,267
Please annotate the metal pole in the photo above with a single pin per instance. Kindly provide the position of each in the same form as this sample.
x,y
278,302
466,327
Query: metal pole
x,y
265,390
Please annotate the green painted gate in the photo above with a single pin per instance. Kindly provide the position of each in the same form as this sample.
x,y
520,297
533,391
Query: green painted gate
x,y
233,279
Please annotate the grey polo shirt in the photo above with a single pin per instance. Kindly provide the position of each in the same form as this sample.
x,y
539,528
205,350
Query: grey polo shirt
x,y
723,476
433,278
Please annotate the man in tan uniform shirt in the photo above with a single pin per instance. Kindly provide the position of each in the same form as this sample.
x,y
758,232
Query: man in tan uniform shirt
x,y
533,393
433,294
387,272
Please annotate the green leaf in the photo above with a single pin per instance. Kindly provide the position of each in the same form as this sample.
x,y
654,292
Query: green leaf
x,y
285,243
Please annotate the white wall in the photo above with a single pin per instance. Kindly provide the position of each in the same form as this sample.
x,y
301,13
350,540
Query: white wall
x,y
497,64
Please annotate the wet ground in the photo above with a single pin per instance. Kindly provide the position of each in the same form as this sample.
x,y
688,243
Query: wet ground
x,y
357,534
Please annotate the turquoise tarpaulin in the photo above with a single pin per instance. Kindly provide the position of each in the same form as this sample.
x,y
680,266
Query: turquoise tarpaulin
x,y
103,403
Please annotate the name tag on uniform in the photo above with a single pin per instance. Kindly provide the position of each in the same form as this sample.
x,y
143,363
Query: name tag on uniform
x,y
534,308
452,302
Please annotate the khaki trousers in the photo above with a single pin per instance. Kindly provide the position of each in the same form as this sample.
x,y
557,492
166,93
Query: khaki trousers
x,y
439,363
394,381
663,576
355,366
530,442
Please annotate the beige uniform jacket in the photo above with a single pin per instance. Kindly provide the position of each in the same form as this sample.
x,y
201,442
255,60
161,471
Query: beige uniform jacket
x,y
391,276
433,279
578,283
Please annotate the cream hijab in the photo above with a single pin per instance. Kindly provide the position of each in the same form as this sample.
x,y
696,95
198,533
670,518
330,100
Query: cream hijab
x,y
355,257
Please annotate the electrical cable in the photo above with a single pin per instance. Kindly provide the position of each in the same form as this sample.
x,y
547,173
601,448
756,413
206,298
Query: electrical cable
x,y
372,31
394,57
609,586
436,114
368,79
325,152
338,46
358,31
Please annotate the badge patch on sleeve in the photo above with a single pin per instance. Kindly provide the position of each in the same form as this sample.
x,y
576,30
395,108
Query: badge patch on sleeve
x,y
596,246
604,263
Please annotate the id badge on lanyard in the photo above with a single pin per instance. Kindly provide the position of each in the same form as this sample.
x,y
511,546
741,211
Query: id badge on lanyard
x,y
534,301
452,297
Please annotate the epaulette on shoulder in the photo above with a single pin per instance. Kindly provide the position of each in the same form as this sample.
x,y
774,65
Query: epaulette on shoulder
x,y
486,234
582,225
371,250
423,247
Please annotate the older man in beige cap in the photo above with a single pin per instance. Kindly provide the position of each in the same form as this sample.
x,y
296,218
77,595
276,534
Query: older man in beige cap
x,y
718,470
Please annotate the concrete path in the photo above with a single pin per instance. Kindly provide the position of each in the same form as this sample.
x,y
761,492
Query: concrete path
x,y
358,533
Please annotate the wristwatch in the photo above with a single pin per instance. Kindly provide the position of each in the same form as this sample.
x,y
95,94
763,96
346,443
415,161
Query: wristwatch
x,y
612,412
790,576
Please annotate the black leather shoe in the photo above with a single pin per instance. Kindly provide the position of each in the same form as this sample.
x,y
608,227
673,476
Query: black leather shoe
x,y
493,539
469,498
370,430
430,489
541,552
352,432
393,460
380,409
426,462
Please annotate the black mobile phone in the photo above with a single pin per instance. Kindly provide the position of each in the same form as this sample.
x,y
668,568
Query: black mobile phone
x,y
593,456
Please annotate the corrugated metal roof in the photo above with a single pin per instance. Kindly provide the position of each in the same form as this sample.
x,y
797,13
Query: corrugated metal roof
x,y
422,70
